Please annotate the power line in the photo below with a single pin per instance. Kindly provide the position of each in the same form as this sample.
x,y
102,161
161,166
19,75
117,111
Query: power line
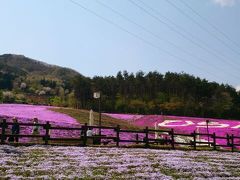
x,y
158,37
202,27
138,37
209,23
180,33
215,52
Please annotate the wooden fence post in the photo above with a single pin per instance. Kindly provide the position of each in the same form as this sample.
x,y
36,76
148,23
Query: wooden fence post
x,y
228,140
172,136
85,134
47,134
214,141
194,140
146,138
4,126
232,137
118,135
137,138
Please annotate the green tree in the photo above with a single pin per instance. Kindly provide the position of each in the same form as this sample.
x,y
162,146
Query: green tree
x,y
221,102
8,97
55,101
71,100
82,91
137,106
1,96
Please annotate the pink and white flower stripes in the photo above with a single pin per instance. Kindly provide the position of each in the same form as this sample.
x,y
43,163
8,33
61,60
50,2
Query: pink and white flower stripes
x,y
52,162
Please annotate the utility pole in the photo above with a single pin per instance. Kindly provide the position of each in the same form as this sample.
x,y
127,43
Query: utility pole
x,y
97,95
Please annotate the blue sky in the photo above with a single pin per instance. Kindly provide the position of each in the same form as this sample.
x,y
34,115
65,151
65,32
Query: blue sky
x,y
162,38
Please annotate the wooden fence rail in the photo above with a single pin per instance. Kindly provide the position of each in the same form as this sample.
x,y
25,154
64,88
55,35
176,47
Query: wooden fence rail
x,y
146,133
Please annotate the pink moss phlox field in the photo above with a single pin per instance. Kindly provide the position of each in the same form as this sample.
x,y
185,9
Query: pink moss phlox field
x,y
26,113
187,125
31,111
65,162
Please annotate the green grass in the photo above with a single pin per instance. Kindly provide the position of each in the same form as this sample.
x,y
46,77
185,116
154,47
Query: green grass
x,y
100,170
174,173
83,117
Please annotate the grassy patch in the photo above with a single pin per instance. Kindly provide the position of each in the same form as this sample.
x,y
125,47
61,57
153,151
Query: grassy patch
x,y
155,165
3,170
203,159
83,116
10,163
174,173
234,171
36,154
41,172
100,170
24,173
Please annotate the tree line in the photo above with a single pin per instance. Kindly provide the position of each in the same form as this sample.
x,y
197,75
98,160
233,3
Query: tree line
x,y
141,93
155,93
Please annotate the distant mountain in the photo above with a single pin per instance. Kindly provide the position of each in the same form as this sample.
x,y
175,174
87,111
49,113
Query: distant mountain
x,y
25,80
19,65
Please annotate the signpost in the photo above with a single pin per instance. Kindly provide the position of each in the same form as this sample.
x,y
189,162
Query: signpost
x,y
97,95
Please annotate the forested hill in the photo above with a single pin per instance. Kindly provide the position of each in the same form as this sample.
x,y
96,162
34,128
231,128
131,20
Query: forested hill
x,y
155,93
24,80
20,65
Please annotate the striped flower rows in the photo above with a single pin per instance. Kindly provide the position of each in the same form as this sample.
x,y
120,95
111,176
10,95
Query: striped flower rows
x,y
46,162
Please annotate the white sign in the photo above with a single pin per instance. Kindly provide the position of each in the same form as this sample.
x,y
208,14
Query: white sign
x,y
167,123
96,95
203,124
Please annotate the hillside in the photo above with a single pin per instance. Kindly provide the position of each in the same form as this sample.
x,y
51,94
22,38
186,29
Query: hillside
x,y
22,66
185,125
58,116
83,115
25,80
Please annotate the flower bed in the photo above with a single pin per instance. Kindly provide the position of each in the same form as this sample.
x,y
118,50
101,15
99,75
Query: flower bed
x,y
47,162
28,112
187,125
25,114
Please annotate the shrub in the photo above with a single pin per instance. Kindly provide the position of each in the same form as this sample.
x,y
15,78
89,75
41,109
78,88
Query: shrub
x,y
8,96
55,101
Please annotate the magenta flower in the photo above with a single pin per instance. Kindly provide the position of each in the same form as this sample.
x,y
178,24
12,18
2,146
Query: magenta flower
x,y
186,125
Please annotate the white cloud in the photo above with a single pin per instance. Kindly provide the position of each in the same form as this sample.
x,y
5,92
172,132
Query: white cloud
x,y
224,3
238,88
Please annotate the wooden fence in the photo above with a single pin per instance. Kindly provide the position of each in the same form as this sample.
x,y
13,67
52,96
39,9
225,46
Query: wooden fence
x,y
147,141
